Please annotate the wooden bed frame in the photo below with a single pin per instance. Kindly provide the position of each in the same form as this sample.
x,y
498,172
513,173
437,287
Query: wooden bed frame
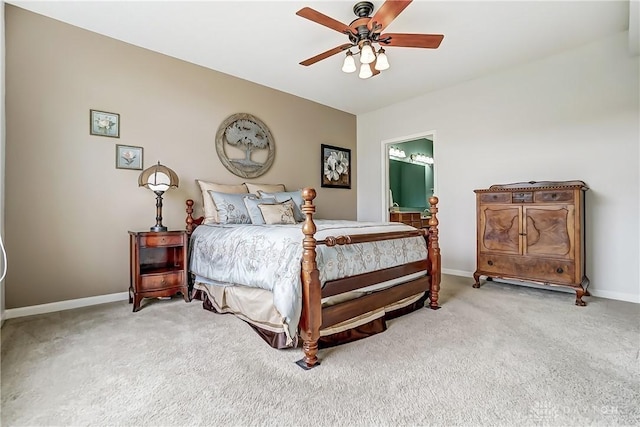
x,y
314,317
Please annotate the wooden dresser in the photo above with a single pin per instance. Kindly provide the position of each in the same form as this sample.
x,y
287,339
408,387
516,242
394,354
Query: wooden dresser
x,y
533,231
413,219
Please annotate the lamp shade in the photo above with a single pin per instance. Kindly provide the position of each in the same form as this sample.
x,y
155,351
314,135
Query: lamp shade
x,y
365,71
367,56
349,65
158,178
382,63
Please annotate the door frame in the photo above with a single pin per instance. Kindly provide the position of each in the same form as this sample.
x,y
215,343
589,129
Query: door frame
x,y
384,149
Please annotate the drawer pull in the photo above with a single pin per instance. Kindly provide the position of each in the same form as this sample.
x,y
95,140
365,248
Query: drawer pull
x,y
559,270
554,195
490,262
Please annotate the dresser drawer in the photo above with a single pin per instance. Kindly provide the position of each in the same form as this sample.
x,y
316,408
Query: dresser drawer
x,y
532,268
168,280
554,196
522,197
162,240
495,197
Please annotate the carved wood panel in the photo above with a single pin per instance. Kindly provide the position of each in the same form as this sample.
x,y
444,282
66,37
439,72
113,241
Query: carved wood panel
x,y
549,231
500,228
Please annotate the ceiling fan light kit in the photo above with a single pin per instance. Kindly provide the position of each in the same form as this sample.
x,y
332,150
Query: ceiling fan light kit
x,y
366,30
367,56
365,71
349,64
382,63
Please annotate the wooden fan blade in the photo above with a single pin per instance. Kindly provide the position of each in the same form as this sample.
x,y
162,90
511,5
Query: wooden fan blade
x,y
429,41
325,55
322,19
389,10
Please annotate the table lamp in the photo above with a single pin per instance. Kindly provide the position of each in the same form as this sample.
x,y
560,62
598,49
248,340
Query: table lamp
x,y
158,178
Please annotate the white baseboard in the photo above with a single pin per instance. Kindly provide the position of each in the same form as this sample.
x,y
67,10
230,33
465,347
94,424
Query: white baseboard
x,y
595,292
457,272
64,305
121,296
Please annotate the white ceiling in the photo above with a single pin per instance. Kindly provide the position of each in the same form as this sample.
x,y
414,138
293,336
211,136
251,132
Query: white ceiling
x,y
263,41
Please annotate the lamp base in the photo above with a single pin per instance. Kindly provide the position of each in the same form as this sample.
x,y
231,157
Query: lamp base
x,y
158,228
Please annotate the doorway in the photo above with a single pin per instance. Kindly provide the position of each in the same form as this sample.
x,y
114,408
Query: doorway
x,y
409,173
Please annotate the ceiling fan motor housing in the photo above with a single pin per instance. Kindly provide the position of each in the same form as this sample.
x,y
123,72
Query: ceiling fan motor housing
x,y
363,9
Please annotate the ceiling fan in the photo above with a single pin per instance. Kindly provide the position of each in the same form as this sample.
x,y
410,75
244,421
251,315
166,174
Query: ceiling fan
x,y
366,30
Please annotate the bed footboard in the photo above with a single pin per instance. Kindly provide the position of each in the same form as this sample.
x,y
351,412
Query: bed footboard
x,y
312,317
434,254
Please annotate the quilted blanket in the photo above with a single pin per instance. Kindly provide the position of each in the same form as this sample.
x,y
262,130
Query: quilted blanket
x,y
269,257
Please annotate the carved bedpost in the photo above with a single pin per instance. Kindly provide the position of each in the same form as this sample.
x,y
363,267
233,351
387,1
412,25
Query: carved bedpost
x,y
189,217
311,317
434,254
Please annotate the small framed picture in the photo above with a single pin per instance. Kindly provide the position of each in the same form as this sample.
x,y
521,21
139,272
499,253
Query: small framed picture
x,y
128,157
335,166
102,123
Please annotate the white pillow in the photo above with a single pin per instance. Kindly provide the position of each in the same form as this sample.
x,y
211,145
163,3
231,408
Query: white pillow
x,y
269,188
296,196
209,206
281,213
252,201
231,208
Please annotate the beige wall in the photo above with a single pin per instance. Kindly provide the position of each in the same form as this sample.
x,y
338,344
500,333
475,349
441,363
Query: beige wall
x,y
2,153
68,209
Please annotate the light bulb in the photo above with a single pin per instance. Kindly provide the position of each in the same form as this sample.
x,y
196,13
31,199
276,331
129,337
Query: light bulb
x,y
349,65
367,56
382,63
365,71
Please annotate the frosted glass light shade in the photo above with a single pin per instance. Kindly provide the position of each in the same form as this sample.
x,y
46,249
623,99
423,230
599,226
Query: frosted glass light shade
x,y
158,182
349,65
365,71
382,63
367,56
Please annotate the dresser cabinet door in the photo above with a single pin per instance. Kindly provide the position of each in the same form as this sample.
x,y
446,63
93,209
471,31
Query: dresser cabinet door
x,y
549,231
500,229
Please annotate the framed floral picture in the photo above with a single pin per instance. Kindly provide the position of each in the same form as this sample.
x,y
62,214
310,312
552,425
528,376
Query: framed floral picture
x,y
128,157
335,166
102,123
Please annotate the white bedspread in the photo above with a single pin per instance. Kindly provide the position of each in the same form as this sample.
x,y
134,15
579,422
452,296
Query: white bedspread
x,y
269,257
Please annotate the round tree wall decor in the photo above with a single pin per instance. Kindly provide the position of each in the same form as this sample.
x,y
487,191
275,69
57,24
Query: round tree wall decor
x,y
245,146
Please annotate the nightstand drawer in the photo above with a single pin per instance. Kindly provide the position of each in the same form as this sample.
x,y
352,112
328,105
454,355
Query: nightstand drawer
x,y
161,281
161,240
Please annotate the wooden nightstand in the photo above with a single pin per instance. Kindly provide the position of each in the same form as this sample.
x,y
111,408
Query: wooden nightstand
x,y
158,265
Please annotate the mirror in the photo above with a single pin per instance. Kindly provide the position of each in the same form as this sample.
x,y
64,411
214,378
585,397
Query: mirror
x,y
411,175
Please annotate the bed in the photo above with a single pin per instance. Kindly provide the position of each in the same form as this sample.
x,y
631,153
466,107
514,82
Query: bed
x,y
295,294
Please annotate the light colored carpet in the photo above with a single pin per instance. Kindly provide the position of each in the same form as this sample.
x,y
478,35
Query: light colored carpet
x,y
500,355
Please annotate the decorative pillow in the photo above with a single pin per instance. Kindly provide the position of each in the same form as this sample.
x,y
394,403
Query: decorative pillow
x,y
281,213
269,188
251,202
209,206
296,196
231,208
